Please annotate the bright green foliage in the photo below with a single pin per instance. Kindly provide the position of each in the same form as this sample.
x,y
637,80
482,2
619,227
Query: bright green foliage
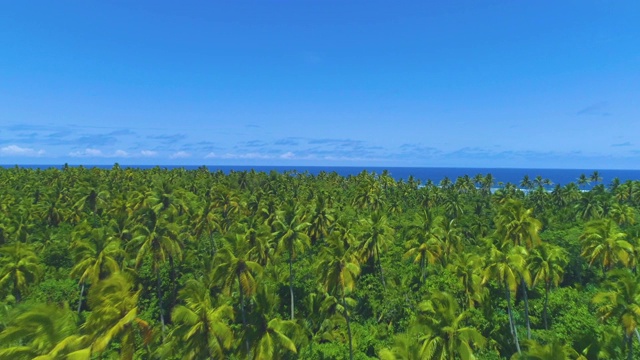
x,y
19,268
202,329
115,316
41,332
178,264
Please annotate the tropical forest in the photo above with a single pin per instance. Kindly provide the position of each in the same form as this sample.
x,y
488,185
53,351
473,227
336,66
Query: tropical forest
x,y
128,263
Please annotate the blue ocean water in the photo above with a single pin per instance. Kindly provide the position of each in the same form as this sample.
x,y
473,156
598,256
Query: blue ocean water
x,y
435,174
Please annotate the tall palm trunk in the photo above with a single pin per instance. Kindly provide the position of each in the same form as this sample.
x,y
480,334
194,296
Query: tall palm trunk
x,y
384,285
244,316
545,311
346,316
630,347
16,290
514,331
291,282
160,305
526,307
80,298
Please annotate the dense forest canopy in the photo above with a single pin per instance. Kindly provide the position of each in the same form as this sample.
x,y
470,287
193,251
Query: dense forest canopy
x,y
177,264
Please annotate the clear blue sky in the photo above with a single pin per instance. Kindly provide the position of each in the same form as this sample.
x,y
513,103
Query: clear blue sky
x,y
552,84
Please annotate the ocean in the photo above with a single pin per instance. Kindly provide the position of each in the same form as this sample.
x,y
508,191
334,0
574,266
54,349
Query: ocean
x,y
435,174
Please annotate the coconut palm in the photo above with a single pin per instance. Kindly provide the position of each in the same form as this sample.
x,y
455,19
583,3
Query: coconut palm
x,y
41,332
605,243
468,268
375,237
622,214
446,336
425,244
406,346
621,301
322,220
95,254
506,267
158,238
114,315
553,351
547,263
202,328
595,177
19,269
270,336
292,238
338,268
516,225
234,267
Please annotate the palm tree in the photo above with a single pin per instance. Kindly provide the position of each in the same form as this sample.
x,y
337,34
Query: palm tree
x,y
546,263
406,346
622,214
583,180
41,332
95,255
114,314
234,267
553,351
291,237
589,206
19,268
605,243
202,328
468,268
425,244
595,177
158,238
271,336
526,182
338,269
621,301
517,226
322,220
446,336
260,239
507,268
375,237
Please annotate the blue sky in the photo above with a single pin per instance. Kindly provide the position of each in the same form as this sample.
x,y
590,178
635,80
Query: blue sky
x,y
358,83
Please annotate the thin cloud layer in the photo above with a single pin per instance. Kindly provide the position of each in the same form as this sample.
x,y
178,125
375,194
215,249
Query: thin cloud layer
x,y
15,150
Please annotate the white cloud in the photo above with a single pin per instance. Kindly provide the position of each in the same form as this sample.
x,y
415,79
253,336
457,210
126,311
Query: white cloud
x,y
288,155
148,153
121,153
180,155
88,152
252,155
20,151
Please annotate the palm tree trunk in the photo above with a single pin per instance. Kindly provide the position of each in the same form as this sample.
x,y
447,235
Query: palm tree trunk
x,y
514,331
423,267
80,298
526,307
545,311
630,346
346,316
384,286
16,290
159,289
291,282
244,316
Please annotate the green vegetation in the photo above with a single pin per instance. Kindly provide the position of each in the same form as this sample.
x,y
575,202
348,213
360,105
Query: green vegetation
x,y
176,264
